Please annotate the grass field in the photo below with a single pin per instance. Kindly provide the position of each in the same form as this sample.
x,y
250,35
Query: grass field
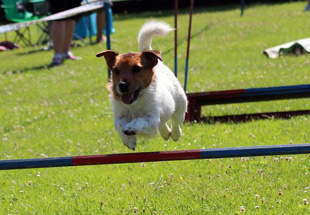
x,y
65,111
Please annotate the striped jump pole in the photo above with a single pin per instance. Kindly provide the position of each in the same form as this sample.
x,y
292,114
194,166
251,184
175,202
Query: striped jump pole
x,y
176,38
156,156
108,27
251,94
191,9
242,7
197,100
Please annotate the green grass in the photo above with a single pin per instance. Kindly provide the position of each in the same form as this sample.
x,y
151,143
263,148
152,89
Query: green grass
x,y
65,111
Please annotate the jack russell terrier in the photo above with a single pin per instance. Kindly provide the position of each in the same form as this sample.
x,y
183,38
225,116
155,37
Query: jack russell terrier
x,y
144,92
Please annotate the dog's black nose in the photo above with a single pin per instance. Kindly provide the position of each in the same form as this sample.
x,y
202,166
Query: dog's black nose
x,y
123,86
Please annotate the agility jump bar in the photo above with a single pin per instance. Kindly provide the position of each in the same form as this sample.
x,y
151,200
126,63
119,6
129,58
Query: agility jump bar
x,y
196,100
156,156
252,94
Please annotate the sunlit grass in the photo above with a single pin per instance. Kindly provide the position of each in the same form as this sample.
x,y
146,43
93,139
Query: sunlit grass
x,y
65,111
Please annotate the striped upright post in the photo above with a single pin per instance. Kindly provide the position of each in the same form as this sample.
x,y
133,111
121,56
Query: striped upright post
x,y
108,27
156,156
176,38
191,9
242,7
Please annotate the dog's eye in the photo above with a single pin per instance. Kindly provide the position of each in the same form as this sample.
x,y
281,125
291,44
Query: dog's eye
x,y
116,71
136,69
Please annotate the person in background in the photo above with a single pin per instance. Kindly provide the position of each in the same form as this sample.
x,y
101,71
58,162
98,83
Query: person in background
x,y
307,8
100,19
94,23
61,31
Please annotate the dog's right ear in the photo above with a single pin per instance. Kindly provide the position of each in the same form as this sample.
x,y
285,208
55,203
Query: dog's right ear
x,y
109,56
150,58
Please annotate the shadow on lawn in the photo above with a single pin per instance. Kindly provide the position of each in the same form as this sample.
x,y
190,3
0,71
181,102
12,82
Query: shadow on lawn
x,y
20,71
244,118
167,13
31,52
148,11
184,40
7,129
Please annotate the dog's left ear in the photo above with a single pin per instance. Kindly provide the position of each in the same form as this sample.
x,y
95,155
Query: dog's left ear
x,y
109,56
150,58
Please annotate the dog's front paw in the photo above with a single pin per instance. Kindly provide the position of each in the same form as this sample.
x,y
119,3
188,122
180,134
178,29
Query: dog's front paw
x,y
130,142
129,132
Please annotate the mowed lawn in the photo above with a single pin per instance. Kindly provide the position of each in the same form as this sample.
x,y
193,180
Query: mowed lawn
x,y
65,111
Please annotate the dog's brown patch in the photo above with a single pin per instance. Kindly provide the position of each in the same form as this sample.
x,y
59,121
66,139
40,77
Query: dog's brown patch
x,y
134,68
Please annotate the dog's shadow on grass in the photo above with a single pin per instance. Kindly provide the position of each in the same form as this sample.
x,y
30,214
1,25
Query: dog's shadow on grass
x,y
27,69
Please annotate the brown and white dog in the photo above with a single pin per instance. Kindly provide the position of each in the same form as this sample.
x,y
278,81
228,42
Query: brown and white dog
x,y
144,92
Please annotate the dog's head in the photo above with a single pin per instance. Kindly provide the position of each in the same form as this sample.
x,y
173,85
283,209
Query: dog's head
x,y
131,73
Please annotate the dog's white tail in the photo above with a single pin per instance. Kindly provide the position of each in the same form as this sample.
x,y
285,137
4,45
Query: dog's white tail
x,y
149,30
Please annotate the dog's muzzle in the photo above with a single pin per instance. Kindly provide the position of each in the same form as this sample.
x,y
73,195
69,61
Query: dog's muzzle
x,y
126,96
123,86
129,98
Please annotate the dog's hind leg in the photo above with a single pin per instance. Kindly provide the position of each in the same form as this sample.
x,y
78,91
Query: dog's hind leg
x,y
177,119
175,129
164,131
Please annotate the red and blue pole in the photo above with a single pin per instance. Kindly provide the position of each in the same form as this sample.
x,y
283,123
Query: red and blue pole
x,y
197,100
108,27
191,9
242,7
251,94
156,156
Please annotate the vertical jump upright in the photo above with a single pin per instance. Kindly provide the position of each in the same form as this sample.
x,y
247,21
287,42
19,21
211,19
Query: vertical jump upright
x,y
191,9
108,28
198,99
176,38
242,7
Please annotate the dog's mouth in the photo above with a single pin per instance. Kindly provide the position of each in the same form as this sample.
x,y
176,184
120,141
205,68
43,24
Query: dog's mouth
x,y
129,98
